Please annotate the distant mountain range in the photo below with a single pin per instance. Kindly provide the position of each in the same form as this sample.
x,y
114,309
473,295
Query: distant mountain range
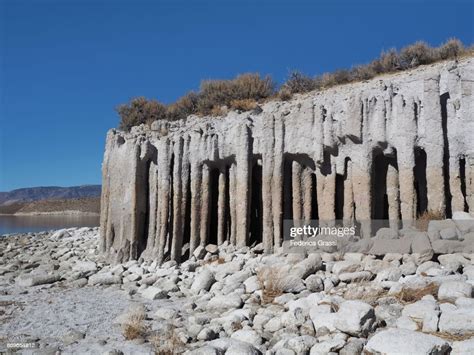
x,y
30,194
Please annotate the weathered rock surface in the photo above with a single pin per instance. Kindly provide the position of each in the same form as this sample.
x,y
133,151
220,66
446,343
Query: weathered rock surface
x,y
394,146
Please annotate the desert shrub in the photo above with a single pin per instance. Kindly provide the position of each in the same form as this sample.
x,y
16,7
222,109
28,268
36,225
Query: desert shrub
x,y
217,93
284,94
389,61
243,104
362,72
183,107
297,82
452,48
416,54
244,92
139,111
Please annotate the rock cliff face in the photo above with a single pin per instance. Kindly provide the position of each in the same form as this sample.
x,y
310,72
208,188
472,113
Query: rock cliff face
x,y
389,148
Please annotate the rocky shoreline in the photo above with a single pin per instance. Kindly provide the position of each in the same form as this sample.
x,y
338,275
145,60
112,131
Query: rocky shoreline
x,y
58,293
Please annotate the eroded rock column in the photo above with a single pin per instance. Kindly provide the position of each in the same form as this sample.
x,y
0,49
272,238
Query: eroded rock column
x,y
221,205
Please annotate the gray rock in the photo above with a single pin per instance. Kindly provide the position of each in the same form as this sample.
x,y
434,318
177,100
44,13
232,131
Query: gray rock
x,y
231,300
199,252
247,335
203,281
166,313
424,312
206,334
212,248
206,350
459,321
346,266
353,347
314,283
448,234
403,341
72,337
234,347
327,346
464,347
85,266
36,279
154,293
307,266
252,284
355,318
104,279
358,276
451,290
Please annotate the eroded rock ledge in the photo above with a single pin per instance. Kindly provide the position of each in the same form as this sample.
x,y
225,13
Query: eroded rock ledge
x,y
389,148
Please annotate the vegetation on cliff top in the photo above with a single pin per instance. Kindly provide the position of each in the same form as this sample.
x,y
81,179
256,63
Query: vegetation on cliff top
x,y
216,97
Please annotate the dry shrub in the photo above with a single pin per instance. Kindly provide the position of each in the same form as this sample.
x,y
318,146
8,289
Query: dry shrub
x,y
298,82
216,93
284,94
411,295
238,93
183,107
389,61
416,54
424,219
272,282
243,104
217,111
140,110
452,48
362,72
167,342
134,326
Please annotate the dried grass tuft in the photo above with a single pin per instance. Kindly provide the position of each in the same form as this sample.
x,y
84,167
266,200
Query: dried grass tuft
x,y
424,219
134,326
272,282
167,342
411,295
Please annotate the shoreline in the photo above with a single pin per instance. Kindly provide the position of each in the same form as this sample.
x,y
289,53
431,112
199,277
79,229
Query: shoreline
x,y
53,213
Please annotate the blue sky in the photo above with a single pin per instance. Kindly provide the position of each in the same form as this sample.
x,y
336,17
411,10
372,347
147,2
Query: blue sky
x,y
65,64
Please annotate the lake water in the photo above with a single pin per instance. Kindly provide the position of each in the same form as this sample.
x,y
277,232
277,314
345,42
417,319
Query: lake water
x,y
25,224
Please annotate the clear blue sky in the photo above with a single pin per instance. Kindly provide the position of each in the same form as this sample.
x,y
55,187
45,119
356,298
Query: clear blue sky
x,y
65,64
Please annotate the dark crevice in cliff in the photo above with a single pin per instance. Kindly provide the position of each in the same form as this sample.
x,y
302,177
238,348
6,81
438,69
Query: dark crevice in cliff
x,y
256,203
339,197
379,185
187,213
444,123
314,198
421,191
462,177
213,205
287,190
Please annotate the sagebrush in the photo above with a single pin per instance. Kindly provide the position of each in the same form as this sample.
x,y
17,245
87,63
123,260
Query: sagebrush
x,y
246,91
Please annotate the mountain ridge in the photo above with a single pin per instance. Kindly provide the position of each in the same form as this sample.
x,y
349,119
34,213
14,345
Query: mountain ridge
x,y
30,194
